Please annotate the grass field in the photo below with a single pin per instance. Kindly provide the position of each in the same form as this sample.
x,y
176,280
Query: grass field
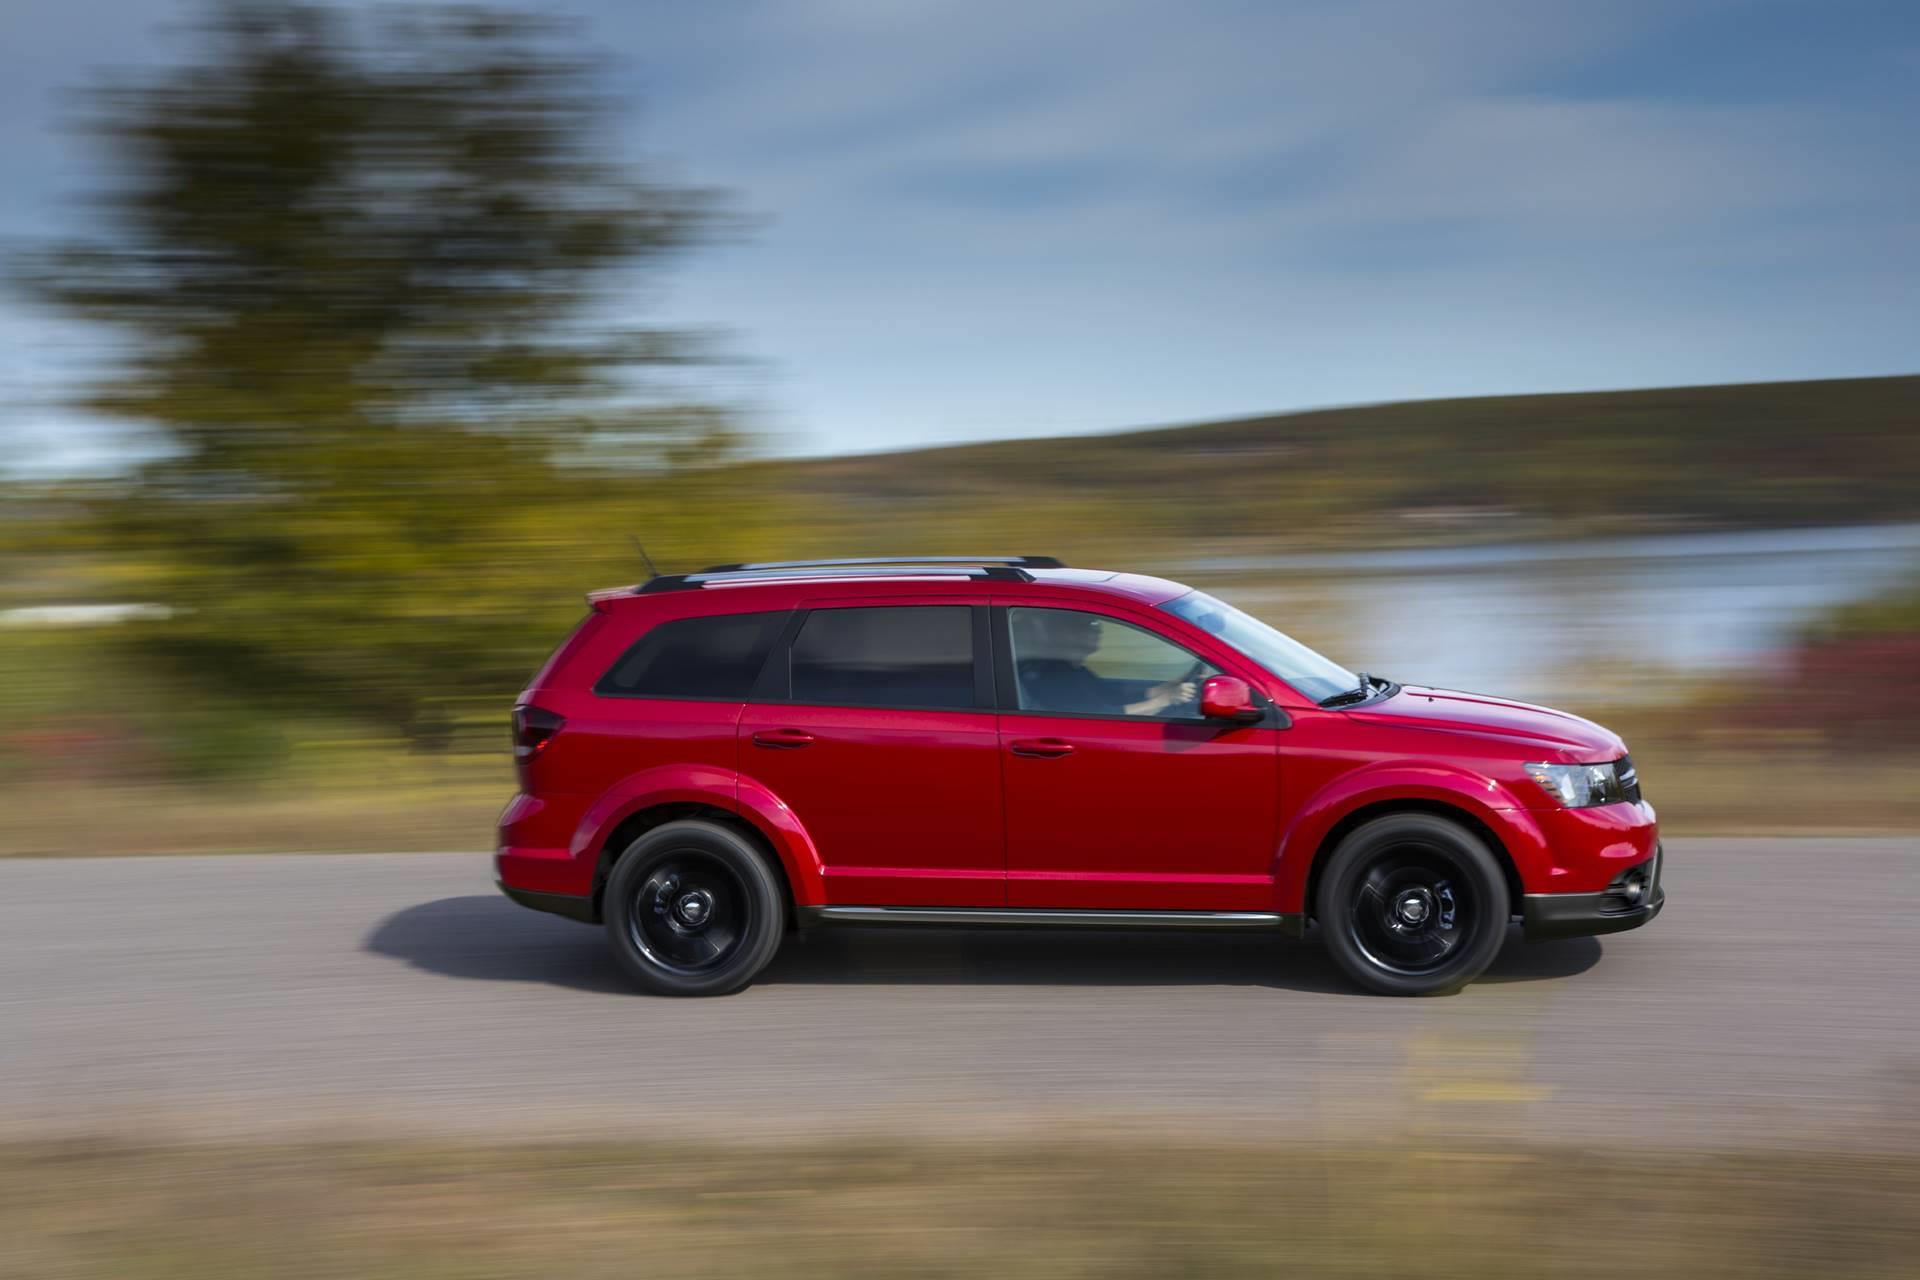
x,y
1077,1209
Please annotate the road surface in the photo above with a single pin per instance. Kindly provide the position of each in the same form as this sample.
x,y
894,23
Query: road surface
x,y
366,995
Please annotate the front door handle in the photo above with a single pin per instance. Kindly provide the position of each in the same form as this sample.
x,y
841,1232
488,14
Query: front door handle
x,y
782,739
1042,748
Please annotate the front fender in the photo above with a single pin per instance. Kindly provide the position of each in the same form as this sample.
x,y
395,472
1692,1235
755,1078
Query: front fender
x,y
1405,782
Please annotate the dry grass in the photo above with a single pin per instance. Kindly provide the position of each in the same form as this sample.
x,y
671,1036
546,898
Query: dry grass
x,y
1725,792
79,821
1079,1210
451,804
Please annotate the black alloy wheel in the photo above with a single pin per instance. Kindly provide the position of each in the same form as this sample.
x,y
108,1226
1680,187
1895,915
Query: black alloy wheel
x,y
1413,904
694,908
690,913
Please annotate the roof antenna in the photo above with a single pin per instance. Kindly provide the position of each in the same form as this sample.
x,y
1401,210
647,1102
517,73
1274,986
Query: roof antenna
x,y
646,559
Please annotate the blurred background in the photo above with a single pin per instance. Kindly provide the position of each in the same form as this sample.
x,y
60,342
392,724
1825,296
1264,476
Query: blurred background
x,y
348,347
1556,350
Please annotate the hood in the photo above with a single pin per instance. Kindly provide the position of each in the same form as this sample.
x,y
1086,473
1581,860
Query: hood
x,y
1416,707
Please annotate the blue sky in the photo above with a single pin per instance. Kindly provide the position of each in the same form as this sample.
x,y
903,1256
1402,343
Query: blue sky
x,y
986,219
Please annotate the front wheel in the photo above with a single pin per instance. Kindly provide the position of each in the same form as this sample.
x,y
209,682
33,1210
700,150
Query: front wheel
x,y
693,909
1413,905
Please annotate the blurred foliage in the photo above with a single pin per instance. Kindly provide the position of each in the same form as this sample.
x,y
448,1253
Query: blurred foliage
x,y
1894,613
1838,704
366,265
1763,455
1858,668
83,710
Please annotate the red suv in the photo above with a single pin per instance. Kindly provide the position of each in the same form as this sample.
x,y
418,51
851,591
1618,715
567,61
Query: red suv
x,y
715,758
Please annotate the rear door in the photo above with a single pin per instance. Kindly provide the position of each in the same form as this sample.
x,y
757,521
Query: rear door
x,y
1118,794
875,725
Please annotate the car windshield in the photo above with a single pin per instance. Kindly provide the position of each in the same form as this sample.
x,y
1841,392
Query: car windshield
x,y
1309,673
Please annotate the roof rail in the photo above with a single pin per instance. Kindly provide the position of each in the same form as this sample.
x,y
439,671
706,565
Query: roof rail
x,y
1005,568
1023,562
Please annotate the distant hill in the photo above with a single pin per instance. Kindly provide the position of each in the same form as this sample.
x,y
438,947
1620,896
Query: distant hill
x,y
1752,455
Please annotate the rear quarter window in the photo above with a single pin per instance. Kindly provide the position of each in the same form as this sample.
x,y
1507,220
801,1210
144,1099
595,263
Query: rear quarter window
x,y
714,658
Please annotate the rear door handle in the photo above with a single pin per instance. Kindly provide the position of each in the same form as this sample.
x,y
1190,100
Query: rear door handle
x,y
779,739
1042,748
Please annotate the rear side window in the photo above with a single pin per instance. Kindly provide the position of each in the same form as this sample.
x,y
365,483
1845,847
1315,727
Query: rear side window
x,y
696,658
902,656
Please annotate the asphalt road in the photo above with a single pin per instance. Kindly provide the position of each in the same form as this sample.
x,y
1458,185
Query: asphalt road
x,y
1774,1002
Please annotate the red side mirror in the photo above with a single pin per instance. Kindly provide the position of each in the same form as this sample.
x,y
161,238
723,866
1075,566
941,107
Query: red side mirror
x,y
1229,698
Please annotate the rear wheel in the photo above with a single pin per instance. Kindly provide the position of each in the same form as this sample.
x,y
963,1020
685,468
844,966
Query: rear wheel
x,y
1413,905
693,909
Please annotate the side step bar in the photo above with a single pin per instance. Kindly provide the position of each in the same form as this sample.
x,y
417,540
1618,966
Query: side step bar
x,y
1021,917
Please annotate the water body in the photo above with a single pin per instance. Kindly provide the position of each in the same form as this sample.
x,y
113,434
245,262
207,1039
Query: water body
x,y
1603,618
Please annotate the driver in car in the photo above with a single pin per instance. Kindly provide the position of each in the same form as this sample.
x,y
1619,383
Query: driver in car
x,y
1051,647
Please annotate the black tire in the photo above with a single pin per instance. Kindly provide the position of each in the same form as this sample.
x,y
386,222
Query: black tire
x,y
694,909
1413,905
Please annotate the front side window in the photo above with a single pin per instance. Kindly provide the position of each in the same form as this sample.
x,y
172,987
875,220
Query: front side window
x,y
695,658
891,656
1074,663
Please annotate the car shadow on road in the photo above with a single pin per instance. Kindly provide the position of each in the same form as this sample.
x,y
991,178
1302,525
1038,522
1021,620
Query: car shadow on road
x,y
489,939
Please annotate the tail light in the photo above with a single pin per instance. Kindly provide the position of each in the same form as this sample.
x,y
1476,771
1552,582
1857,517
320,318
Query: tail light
x,y
533,729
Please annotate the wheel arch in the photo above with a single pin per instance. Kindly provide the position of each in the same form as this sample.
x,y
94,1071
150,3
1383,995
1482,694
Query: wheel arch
x,y
656,796
1479,803
1366,813
636,824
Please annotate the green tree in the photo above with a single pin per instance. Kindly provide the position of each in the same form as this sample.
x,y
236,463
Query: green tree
x,y
365,265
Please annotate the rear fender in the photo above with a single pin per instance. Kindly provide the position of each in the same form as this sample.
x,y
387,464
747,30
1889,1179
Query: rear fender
x,y
705,785
667,784
783,830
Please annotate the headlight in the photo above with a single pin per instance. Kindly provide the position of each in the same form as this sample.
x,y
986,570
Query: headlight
x,y
1579,786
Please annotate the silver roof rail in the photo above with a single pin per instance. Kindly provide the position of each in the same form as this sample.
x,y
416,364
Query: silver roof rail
x,y
1008,568
1022,562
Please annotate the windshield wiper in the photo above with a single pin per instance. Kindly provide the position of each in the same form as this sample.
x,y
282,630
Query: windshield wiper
x,y
1348,696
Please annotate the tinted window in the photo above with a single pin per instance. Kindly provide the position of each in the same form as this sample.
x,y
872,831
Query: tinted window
x,y
696,658
886,657
1078,663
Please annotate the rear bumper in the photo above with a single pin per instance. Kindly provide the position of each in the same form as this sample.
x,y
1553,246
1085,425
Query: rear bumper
x,y
1573,915
572,906
534,847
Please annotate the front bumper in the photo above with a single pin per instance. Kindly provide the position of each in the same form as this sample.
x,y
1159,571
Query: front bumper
x,y
1574,915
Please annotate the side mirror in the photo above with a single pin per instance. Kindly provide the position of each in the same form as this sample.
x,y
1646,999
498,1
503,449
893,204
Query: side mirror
x,y
1229,698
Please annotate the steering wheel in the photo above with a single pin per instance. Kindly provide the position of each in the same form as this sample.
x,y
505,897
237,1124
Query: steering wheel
x,y
1193,674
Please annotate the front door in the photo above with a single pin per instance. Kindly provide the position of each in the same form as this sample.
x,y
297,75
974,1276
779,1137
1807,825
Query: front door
x,y
1118,794
881,738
